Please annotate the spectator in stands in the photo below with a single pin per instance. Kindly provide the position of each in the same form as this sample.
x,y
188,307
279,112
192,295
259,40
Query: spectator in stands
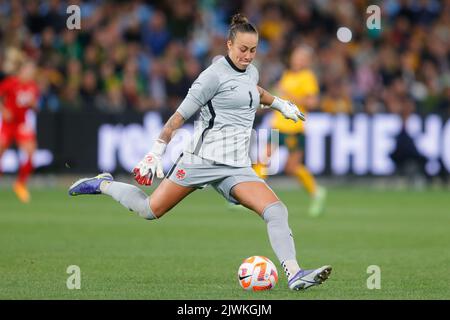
x,y
155,34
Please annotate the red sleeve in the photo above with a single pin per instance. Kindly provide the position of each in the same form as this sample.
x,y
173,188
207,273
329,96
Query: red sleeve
x,y
4,86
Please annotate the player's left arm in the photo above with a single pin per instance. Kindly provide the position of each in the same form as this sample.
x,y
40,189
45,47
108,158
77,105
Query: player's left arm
x,y
265,97
287,108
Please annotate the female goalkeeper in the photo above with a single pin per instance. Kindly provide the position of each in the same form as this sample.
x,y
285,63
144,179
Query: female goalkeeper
x,y
227,95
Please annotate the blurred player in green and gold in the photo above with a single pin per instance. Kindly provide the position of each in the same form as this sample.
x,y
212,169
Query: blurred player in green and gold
x,y
299,85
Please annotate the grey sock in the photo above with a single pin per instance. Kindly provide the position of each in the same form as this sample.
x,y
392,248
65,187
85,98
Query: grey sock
x,y
280,236
130,197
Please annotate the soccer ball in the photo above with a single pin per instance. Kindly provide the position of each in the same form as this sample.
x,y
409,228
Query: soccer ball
x,y
257,273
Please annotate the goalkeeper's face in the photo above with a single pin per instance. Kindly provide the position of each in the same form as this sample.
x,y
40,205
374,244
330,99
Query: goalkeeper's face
x,y
242,50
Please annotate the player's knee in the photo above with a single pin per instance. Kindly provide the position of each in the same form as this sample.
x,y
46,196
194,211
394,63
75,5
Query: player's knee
x,y
145,210
29,151
141,206
275,211
158,211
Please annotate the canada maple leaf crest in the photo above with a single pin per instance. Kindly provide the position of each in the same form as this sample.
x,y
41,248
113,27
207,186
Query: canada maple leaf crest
x,y
181,174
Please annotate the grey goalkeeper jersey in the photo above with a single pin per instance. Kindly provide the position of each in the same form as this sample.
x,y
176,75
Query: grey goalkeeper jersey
x,y
227,98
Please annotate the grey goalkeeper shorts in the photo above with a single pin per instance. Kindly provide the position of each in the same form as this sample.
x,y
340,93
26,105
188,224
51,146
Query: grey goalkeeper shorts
x,y
193,171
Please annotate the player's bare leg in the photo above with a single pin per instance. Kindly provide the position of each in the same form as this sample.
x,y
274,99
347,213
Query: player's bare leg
x,y
5,141
25,170
275,214
167,195
292,162
261,166
245,193
294,167
2,150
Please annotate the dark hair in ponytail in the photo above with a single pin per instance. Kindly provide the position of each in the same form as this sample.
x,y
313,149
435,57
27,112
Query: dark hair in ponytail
x,y
239,23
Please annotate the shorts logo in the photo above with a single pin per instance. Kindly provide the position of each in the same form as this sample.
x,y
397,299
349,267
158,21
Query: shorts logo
x,y
180,174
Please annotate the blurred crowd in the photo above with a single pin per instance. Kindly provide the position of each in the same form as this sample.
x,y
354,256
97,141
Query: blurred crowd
x,y
144,55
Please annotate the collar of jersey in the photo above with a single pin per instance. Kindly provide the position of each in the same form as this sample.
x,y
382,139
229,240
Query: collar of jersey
x,y
233,65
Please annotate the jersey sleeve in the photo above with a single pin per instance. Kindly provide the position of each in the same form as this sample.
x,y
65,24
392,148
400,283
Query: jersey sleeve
x,y
202,90
4,85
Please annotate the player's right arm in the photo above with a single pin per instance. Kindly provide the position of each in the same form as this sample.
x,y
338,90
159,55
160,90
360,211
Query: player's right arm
x,y
146,169
4,87
202,90
175,122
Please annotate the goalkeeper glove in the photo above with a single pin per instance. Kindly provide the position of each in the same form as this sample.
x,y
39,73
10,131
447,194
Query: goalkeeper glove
x,y
288,109
145,170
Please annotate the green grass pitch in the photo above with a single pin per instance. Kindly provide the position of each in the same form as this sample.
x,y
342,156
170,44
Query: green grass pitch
x,y
195,250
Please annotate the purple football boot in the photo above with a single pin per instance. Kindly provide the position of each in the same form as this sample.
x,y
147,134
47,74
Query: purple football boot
x,y
89,185
308,278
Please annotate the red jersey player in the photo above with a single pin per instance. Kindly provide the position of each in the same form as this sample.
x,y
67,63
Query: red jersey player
x,y
19,93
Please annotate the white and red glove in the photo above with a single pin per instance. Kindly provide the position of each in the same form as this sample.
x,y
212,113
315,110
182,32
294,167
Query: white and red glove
x,y
145,170
288,109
